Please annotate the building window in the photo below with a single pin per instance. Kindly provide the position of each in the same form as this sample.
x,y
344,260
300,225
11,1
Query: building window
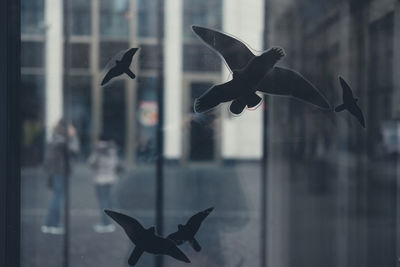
x,y
202,128
114,18
114,113
198,57
148,57
81,17
207,13
147,18
32,54
80,55
108,49
32,17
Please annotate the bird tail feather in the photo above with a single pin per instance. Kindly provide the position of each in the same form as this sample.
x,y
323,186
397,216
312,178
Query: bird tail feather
x,y
130,74
135,255
340,108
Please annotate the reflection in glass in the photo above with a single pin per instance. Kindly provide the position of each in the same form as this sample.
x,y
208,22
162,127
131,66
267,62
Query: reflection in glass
x,y
114,18
146,119
32,54
80,17
147,18
32,16
207,13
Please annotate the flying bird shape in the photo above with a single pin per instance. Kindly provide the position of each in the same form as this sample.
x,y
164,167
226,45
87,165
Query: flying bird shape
x,y
350,103
188,231
251,74
121,67
146,239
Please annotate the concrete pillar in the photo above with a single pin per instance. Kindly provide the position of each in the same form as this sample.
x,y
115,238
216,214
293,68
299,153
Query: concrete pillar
x,y
97,92
242,136
53,64
173,79
131,89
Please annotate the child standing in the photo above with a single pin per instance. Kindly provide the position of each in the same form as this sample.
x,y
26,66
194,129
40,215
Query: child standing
x,y
105,163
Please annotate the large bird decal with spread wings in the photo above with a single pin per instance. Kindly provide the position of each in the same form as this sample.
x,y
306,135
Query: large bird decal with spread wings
x,y
252,74
145,240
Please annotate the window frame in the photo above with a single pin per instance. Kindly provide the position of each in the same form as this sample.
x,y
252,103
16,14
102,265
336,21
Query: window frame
x,y
10,133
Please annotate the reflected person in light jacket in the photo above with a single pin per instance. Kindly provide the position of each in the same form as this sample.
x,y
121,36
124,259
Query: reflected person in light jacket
x,y
105,163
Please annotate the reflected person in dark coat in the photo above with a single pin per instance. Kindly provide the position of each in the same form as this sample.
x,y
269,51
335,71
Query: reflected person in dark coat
x,y
56,169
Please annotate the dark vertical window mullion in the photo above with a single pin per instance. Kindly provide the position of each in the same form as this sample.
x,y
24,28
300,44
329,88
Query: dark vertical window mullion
x,y
9,133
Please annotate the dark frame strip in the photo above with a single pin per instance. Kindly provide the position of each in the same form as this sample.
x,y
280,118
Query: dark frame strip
x,y
10,35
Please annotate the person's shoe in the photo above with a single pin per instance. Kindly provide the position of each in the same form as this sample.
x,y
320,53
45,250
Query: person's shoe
x,y
101,228
54,230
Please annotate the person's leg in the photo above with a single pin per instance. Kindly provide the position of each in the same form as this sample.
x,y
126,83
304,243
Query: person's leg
x,y
54,210
107,203
101,191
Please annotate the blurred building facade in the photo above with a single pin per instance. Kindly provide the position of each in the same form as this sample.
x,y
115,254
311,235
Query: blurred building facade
x,y
127,110
336,182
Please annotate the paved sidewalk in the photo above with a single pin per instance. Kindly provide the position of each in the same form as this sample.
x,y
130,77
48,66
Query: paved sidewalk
x,y
229,237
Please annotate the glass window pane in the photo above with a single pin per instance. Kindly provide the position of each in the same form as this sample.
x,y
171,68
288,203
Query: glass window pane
x,y
108,50
148,57
207,13
32,16
197,57
147,18
32,54
81,17
80,56
114,18
291,184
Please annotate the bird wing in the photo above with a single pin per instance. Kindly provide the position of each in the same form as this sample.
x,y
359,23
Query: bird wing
x,y
127,57
135,255
195,245
347,92
113,72
177,237
235,53
216,95
129,224
356,111
286,82
195,221
165,246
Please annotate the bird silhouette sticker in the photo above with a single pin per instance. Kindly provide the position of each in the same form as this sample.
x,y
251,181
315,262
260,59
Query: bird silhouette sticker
x,y
146,240
120,66
350,103
188,231
251,74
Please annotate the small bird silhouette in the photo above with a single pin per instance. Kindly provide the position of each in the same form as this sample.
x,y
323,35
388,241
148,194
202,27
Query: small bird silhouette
x,y
350,103
188,231
121,66
251,74
146,239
